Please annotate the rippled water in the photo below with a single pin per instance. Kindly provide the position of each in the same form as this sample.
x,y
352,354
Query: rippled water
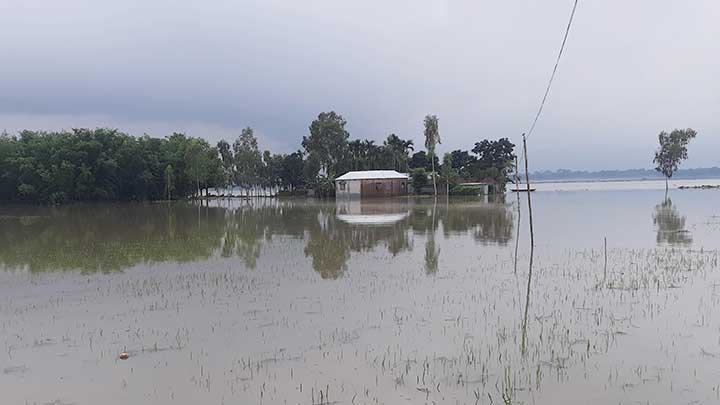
x,y
395,301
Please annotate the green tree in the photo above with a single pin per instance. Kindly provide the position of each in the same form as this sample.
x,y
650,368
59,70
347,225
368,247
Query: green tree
x,y
169,187
496,160
400,150
102,164
327,142
449,174
228,162
420,160
248,160
463,162
672,151
432,138
291,170
418,179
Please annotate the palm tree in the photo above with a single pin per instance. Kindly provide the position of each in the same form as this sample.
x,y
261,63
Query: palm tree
x,y
399,149
355,148
432,138
371,154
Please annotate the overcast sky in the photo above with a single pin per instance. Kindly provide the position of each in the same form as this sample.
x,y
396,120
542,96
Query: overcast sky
x,y
630,69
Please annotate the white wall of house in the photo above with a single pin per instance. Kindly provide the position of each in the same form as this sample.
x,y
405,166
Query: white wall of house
x,y
351,188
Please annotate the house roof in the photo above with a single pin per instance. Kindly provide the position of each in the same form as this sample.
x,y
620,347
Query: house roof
x,y
372,175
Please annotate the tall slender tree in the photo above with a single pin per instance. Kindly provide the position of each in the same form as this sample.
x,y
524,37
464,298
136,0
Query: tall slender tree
x,y
248,160
432,138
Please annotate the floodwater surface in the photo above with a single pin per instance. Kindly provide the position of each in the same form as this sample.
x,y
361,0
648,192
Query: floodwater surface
x,y
417,301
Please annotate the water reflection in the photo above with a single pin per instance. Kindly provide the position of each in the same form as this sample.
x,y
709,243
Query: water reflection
x,y
670,225
113,237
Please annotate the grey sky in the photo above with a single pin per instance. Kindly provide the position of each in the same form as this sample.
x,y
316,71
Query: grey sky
x,y
630,69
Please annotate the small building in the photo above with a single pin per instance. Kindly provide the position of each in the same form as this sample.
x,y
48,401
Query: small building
x,y
371,183
483,188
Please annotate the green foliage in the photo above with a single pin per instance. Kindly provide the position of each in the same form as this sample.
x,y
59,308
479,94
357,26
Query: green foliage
x,y
420,160
100,164
466,190
248,161
497,154
418,179
228,162
291,171
450,176
432,133
324,186
672,150
463,163
106,164
432,138
398,150
327,142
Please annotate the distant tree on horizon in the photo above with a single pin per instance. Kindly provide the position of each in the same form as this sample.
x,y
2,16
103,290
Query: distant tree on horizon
x,y
672,151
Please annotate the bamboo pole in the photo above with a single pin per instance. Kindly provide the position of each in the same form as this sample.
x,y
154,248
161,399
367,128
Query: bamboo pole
x,y
523,347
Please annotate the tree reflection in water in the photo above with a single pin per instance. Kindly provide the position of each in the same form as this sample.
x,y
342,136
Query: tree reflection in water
x,y
113,237
670,225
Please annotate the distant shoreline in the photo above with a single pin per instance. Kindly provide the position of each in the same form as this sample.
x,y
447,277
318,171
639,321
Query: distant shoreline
x,y
623,180
563,175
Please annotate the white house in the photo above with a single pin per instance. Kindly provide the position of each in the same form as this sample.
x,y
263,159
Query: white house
x,y
371,183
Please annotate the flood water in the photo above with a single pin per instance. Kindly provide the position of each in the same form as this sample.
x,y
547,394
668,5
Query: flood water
x,y
416,301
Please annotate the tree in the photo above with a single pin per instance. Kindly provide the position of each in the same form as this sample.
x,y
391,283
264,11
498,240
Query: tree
x,y
228,162
448,172
399,150
291,170
169,187
496,160
418,179
102,164
197,156
672,151
420,160
248,160
463,162
327,142
432,138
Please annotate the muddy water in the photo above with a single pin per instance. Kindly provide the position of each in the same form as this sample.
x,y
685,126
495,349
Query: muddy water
x,y
401,301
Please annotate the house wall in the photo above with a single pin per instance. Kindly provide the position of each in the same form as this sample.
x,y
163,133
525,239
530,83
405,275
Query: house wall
x,y
383,187
351,188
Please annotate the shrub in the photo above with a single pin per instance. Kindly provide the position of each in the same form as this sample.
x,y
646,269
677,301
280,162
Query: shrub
x,y
466,190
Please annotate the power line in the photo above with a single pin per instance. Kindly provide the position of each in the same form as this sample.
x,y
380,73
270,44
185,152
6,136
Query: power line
x,y
552,76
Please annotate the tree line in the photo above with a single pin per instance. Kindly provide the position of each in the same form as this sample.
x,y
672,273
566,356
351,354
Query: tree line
x,y
107,165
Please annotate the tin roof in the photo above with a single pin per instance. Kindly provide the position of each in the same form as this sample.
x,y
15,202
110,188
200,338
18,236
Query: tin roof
x,y
372,175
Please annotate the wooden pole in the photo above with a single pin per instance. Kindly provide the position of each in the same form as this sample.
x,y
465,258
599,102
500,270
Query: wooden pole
x,y
517,193
523,346
527,181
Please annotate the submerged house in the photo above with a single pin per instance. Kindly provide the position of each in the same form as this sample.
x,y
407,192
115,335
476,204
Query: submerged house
x,y
371,183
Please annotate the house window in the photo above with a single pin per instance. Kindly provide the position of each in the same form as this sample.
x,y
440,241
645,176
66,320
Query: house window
x,y
378,186
342,185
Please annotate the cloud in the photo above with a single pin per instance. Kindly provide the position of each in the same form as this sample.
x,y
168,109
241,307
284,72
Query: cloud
x,y
629,71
